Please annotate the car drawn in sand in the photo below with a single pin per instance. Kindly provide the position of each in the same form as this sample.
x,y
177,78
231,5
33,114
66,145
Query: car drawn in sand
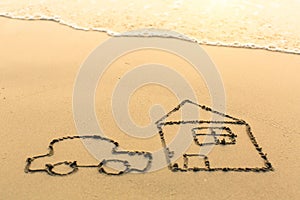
x,y
119,160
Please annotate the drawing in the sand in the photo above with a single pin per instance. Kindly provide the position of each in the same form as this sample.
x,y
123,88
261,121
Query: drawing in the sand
x,y
234,147
114,162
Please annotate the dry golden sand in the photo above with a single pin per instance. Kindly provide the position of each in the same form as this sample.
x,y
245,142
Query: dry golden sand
x,y
39,61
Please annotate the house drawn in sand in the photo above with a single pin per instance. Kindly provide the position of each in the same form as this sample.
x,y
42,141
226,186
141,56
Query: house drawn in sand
x,y
211,142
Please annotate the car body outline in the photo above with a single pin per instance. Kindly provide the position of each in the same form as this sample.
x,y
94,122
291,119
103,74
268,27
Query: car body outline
x,y
74,165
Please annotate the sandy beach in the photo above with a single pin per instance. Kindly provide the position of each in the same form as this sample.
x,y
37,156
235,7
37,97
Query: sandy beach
x,y
39,61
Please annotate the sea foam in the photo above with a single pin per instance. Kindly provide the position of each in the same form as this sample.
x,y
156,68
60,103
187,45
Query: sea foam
x,y
270,25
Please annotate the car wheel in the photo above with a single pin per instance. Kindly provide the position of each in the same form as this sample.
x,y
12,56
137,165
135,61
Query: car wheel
x,y
114,167
62,168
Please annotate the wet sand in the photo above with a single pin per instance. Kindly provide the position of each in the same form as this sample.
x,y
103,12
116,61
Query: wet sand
x,y
39,61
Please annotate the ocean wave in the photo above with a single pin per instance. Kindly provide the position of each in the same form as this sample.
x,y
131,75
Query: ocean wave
x,y
268,25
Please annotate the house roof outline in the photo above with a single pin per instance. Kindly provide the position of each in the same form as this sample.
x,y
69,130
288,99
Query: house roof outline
x,y
227,118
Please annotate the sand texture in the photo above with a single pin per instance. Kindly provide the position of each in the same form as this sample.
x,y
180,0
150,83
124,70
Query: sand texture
x,y
39,61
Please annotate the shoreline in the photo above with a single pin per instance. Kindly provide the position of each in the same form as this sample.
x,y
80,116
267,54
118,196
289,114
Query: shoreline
x,y
116,34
